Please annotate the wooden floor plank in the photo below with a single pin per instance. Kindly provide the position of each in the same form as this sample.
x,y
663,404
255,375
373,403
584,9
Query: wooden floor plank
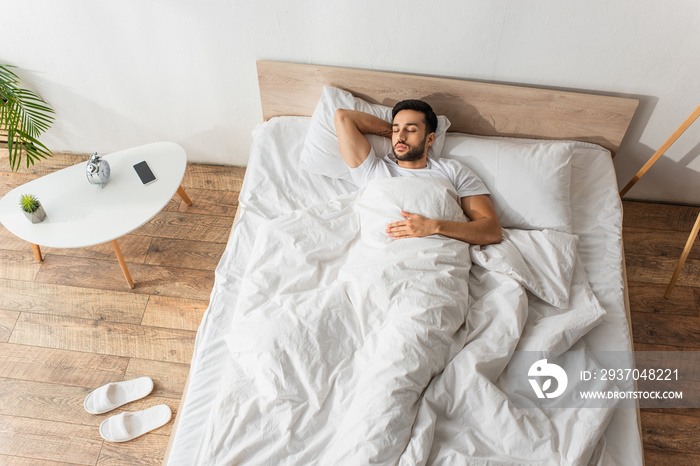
x,y
654,329
58,366
47,401
10,242
213,177
149,279
669,432
49,440
101,337
184,253
649,297
18,265
9,181
670,244
658,270
147,450
682,358
74,301
670,458
184,225
20,461
133,248
7,323
207,202
657,216
648,347
177,313
168,378
44,167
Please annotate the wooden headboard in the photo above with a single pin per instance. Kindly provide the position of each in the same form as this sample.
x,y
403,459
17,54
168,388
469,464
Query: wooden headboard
x,y
472,107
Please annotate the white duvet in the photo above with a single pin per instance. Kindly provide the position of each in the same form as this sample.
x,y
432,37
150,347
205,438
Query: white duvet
x,y
347,347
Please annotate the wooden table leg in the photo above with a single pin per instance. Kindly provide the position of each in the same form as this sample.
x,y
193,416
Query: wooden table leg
x,y
183,195
684,256
37,252
122,264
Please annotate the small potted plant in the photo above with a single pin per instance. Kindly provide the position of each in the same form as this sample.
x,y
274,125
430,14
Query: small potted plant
x,y
32,208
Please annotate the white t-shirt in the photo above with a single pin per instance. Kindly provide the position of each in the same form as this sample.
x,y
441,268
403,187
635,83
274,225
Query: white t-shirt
x,y
465,181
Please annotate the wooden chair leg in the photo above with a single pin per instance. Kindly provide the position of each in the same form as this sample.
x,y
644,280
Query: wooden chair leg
x,y
122,264
37,252
676,134
684,256
183,195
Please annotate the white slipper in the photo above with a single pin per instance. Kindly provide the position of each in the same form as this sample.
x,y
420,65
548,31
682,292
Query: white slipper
x,y
127,426
114,395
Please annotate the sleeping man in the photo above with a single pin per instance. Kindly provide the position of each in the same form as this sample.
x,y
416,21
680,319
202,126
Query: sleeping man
x,y
412,133
339,328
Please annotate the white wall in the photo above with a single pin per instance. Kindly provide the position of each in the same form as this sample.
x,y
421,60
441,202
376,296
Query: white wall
x,y
123,73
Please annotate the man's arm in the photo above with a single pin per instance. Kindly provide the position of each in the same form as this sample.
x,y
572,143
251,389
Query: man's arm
x,y
351,126
483,229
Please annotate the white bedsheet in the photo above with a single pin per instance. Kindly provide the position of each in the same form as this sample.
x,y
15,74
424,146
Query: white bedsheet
x,y
462,413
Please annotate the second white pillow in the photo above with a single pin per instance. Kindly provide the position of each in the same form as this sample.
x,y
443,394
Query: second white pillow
x,y
530,182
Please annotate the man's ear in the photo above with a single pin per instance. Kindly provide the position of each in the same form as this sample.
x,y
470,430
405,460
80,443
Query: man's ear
x,y
430,140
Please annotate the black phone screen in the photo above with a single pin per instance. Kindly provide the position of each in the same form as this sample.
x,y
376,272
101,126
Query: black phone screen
x,y
144,172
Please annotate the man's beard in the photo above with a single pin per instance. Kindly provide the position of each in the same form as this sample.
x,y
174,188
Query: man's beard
x,y
415,153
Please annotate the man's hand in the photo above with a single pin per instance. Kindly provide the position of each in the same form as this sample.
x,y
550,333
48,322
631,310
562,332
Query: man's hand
x,y
415,226
484,227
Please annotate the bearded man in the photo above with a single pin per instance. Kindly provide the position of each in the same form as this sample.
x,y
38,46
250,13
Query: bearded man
x,y
412,132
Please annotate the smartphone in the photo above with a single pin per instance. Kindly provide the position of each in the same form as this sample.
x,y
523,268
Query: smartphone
x,y
144,172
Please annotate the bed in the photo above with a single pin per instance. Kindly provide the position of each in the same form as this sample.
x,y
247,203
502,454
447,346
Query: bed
x,y
326,343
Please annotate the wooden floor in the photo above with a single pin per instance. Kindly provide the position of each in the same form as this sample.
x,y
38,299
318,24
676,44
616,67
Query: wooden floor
x,y
69,324
654,236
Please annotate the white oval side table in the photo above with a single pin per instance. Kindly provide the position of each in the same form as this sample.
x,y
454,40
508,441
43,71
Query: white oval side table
x,y
80,214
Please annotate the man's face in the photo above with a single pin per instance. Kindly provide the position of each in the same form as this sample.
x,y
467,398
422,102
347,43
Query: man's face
x,y
410,140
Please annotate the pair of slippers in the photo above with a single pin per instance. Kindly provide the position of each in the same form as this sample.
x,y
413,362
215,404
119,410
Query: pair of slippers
x,y
126,426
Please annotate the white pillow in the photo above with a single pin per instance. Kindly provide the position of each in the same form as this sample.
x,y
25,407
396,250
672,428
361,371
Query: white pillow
x,y
520,255
321,152
529,181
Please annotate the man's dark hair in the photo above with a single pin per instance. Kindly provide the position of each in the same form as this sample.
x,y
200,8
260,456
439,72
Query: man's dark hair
x,y
419,106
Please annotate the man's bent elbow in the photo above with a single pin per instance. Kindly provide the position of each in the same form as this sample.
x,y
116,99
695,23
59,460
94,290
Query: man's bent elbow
x,y
340,116
497,235
494,235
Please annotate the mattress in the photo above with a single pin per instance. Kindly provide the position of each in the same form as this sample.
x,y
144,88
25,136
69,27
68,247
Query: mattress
x,y
274,185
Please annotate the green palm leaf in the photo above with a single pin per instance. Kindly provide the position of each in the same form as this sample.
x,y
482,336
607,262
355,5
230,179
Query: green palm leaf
x,y
24,116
